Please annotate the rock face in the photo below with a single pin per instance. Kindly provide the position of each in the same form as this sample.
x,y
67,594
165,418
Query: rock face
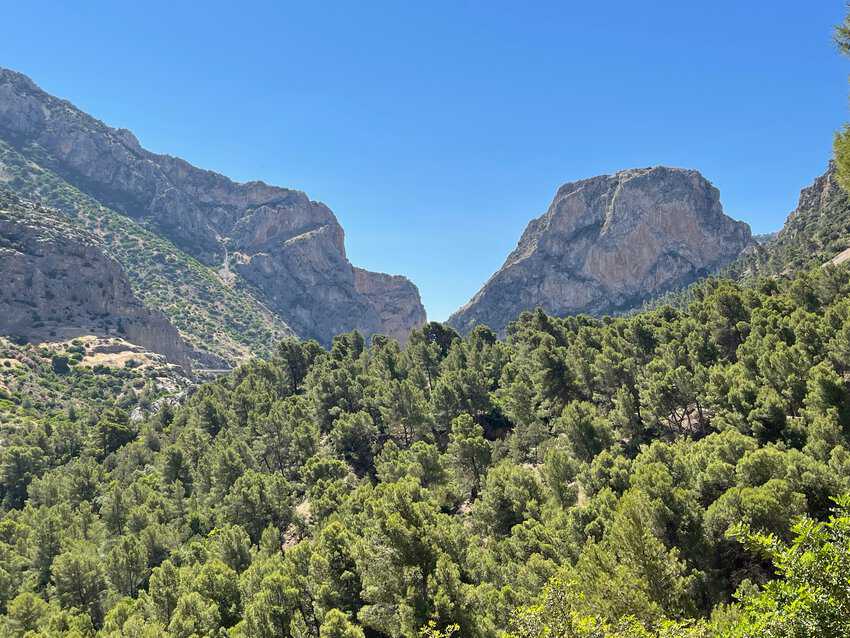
x,y
814,199
289,247
56,281
390,295
608,243
818,228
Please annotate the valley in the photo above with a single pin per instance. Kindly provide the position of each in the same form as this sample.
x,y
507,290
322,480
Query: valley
x,y
214,425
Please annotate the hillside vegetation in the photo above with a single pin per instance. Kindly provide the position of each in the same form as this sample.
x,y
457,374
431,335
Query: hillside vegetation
x,y
817,231
40,383
637,476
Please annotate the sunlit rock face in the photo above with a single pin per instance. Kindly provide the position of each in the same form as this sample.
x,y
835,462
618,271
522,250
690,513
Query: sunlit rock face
x,y
607,244
57,282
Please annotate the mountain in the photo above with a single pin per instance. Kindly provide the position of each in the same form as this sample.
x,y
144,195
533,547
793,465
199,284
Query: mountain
x,y
58,283
608,243
217,315
281,252
816,232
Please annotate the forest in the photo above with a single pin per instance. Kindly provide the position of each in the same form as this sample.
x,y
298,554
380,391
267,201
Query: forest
x,y
676,472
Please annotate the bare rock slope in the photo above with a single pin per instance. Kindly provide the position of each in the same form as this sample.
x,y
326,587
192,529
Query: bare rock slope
x,y
390,295
57,283
289,247
607,244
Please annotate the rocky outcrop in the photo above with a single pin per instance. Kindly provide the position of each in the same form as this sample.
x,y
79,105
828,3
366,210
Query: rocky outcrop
x,y
820,225
57,283
395,299
287,246
815,233
607,244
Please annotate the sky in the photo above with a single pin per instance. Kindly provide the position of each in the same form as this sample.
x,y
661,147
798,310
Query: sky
x,y
436,130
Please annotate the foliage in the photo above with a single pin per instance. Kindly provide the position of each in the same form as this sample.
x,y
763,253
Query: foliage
x,y
582,477
841,145
812,596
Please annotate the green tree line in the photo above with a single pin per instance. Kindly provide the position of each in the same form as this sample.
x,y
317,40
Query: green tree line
x,y
671,473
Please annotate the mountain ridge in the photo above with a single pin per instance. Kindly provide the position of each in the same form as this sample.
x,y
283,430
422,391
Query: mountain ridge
x,y
814,233
220,319
287,246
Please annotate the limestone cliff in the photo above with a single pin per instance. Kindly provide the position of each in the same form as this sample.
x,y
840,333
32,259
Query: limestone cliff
x,y
608,243
391,297
289,247
57,283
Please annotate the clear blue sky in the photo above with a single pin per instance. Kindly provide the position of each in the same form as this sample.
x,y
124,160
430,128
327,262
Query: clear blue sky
x,y
437,130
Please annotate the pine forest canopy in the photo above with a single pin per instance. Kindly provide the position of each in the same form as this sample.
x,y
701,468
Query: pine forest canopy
x,y
591,475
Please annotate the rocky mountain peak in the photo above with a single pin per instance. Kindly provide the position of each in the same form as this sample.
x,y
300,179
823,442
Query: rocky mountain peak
x,y
608,243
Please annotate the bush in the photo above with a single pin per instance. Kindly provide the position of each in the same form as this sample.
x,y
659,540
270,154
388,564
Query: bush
x,y
59,363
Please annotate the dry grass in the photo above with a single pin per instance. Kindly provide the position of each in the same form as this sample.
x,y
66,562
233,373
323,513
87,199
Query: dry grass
x,y
110,352
117,359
